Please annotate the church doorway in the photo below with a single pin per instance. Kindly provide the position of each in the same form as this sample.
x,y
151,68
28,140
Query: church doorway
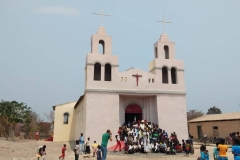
x,y
131,111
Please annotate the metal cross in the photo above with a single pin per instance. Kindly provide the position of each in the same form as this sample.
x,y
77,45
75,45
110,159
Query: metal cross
x,y
163,21
101,16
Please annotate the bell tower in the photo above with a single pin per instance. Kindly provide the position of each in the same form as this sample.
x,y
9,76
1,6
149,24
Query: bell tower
x,y
164,65
101,38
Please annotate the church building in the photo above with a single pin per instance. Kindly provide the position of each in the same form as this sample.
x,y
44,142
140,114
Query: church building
x,y
112,97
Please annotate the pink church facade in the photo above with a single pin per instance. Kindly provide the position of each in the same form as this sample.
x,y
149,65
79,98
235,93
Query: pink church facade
x,y
157,96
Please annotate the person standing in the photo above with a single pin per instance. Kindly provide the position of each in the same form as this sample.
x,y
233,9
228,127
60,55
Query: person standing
x,y
118,140
105,137
37,135
95,148
236,149
77,150
216,152
222,148
81,143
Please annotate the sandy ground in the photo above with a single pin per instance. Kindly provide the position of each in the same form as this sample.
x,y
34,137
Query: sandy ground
x,y
26,150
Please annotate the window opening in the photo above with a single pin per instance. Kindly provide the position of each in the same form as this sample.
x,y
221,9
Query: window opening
x,y
164,75
65,118
174,75
156,52
166,51
97,72
101,47
108,72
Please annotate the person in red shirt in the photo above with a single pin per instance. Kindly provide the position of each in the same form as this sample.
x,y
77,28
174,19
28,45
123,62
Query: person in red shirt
x,y
63,152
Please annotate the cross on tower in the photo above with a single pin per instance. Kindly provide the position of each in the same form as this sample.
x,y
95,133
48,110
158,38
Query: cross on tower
x,y
101,15
163,21
137,76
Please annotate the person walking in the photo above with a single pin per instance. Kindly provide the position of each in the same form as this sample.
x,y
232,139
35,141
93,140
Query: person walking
x,y
81,143
118,140
105,137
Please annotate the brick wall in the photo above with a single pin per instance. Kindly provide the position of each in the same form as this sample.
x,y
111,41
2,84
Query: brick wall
x,y
224,128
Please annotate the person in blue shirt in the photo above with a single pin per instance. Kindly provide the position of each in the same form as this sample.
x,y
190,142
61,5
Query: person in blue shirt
x,y
204,153
216,152
236,149
81,143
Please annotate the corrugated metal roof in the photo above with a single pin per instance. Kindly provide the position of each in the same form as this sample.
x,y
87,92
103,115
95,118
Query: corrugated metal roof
x,y
217,117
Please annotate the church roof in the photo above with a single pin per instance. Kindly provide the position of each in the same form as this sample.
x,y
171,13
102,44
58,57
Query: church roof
x,y
164,37
101,31
61,104
79,100
217,117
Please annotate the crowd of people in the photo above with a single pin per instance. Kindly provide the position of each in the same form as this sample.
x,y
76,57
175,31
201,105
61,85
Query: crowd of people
x,y
146,137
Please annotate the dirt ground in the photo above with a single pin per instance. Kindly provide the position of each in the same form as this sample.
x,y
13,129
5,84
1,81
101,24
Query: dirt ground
x,y
26,150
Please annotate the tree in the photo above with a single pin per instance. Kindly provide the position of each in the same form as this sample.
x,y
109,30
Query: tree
x,y
50,116
214,110
13,113
192,114
27,128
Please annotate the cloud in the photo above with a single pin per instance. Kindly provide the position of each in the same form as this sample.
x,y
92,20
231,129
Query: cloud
x,y
57,10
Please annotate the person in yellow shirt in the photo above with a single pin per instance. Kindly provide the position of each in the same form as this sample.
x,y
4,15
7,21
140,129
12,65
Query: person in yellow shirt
x,y
222,148
94,147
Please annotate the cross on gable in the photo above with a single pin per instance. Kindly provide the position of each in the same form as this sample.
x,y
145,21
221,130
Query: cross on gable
x,y
137,76
163,21
101,16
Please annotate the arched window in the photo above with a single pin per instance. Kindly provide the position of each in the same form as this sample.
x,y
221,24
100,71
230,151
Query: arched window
x,y
108,72
97,72
153,80
166,51
164,75
101,47
65,118
174,75
156,52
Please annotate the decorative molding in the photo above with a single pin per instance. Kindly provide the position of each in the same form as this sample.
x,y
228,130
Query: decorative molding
x,y
113,65
169,68
136,91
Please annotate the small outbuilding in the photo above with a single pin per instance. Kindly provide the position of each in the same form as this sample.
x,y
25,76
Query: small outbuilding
x,y
215,125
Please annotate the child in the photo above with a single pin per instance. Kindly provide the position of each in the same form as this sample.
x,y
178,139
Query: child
x,y
77,150
130,149
63,152
183,145
87,144
41,152
94,147
215,152
204,153
187,148
99,154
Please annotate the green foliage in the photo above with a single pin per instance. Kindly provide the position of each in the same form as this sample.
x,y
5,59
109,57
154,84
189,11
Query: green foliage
x,y
214,110
14,112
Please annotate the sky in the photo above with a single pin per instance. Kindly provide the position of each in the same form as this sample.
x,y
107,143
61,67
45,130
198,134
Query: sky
x,y
43,47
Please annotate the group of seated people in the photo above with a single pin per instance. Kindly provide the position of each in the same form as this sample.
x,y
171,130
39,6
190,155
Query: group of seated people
x,y
147,137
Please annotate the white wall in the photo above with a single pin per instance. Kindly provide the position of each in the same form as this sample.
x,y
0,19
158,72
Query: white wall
x,y
172,114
